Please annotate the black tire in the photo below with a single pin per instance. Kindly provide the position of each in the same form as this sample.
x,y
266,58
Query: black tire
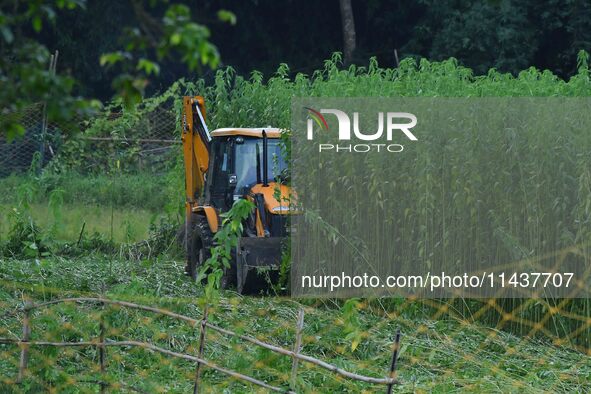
x,y
200,242
199,250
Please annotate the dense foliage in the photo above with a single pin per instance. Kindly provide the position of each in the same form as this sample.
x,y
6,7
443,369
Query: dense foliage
x,y
29,74
508,35
238,101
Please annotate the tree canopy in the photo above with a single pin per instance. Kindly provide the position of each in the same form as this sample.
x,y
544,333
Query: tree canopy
x,y
132,47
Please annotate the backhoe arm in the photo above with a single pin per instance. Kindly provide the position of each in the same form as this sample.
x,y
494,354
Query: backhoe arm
x,y
196,141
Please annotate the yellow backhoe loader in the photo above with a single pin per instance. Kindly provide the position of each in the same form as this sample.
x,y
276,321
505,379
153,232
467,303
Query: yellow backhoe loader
x,y
222,166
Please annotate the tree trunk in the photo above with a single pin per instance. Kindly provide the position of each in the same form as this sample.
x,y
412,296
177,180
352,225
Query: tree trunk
x,y
348,22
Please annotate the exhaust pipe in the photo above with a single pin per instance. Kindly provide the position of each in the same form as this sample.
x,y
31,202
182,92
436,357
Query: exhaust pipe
x,y
265,163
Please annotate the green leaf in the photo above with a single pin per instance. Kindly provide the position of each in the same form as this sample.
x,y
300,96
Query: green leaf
x,y
148,66
227,16
175,39
37,23
111,58
14,130
130,89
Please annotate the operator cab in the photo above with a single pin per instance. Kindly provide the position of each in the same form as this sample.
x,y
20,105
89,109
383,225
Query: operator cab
x,y
237,163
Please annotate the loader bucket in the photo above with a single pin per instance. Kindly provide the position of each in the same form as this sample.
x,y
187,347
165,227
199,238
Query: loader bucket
x,y
257,263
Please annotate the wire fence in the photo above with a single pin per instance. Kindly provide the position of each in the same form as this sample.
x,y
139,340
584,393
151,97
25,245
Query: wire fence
x,y
244,345
203,324
40,138
143,139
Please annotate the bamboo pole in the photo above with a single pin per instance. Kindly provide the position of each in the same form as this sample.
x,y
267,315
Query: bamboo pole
x,y
45,120
120,303
146,140
203,326
81,234
395,350
277,349
102,356
308,359
24,343
149,346
296,349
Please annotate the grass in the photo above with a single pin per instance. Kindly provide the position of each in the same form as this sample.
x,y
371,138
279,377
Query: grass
x,y
120,206
128,224
152,192
444,355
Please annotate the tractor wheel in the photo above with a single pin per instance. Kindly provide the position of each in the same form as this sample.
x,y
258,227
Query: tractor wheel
x,y
200,243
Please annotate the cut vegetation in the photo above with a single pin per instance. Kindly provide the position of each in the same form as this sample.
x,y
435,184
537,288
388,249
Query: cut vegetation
x,y
440,355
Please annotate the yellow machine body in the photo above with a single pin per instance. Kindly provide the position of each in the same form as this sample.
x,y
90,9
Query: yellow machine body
x,y
269,196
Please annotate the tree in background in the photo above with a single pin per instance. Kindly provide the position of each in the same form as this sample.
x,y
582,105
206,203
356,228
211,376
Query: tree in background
x,y
24,72
160,30
152,43
509,35
485,34
349,40
174,36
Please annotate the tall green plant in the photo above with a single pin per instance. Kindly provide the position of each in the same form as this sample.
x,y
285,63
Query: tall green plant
x,y
225,241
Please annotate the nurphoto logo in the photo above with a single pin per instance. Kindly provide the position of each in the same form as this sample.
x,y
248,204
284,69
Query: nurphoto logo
x,y
397,124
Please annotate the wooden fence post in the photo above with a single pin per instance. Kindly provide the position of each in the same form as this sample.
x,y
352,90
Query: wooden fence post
x,y
296,349
25,346
296,353
102,355
395,350
201,348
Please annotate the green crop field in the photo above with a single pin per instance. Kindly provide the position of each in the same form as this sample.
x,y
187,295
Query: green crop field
x,y
127,224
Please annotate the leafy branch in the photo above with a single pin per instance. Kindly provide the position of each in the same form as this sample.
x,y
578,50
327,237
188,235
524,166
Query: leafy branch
x,y
175,35
224,240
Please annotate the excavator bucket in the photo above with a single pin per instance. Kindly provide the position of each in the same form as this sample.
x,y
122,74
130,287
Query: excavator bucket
x,y
257,263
